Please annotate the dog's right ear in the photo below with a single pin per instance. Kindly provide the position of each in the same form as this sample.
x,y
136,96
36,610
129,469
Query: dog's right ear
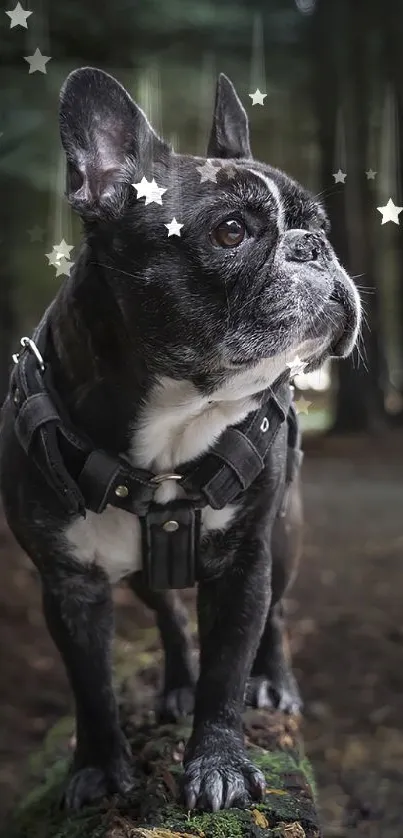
x,y
102,129
229,136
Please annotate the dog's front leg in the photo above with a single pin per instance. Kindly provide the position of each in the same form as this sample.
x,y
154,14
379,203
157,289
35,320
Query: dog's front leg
x,y
79,613
232,612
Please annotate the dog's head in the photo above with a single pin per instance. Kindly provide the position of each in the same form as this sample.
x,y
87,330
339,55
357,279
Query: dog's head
x,y
250,282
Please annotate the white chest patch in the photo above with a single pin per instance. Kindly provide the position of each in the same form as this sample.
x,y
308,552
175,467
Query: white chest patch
x,y
175,425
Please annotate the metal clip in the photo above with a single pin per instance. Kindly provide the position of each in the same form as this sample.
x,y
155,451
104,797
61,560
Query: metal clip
x,y
159,478
29,344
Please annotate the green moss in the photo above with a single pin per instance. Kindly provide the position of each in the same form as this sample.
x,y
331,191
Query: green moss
x,y
306,767
225,824
274,765
40,815
289,796
54,745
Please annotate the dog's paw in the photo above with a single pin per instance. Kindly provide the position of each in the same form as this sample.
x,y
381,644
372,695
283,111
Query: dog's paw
x,y
175,704
221,778
90,784
280,694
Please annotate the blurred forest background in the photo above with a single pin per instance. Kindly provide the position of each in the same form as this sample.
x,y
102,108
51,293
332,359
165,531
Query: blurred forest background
x,y
333,74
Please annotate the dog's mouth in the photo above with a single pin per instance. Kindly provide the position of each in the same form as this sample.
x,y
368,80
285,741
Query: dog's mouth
x,y
332,332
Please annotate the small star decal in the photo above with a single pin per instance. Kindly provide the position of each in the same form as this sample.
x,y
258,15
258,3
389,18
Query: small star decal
x,y
53,259
229,171
296,366
257,97
174,228
208,172
37,62
371,174
59,258
302,405
149,190
63,249
36,234
340,177
64,267
18,16
390,212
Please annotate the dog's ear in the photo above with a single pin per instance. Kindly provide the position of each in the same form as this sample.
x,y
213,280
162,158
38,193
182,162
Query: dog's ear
x,y
230,131
102,131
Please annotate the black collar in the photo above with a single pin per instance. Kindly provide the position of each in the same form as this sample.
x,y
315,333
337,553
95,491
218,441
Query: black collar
x,y
84,477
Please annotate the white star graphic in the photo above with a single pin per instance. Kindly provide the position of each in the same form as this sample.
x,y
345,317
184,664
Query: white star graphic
x,y
340,177
257,97
208,172
53,259
150,191
37,61
230,171
18,16
390,212
64,267
174,228
142,187
36,234
302,405
296,366
371,174
63,249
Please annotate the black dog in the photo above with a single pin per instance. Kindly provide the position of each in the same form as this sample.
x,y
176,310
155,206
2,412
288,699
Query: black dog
x,y
149,433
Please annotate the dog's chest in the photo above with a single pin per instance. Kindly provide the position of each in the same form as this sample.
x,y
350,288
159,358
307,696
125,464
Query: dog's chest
x,y
175,425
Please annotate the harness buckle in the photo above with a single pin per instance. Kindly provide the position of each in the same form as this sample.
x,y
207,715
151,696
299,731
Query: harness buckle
x,y
29,344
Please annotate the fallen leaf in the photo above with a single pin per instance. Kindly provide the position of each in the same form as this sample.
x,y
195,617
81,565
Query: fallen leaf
x,y
291,830
259,818
276,791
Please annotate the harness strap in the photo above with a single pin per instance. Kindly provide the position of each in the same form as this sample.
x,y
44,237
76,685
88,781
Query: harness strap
x,y
240,453
87,478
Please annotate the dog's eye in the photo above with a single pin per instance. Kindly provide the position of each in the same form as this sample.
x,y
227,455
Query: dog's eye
x,y
229,233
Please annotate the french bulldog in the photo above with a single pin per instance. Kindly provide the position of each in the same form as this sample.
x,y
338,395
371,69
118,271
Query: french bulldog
x,y
198,283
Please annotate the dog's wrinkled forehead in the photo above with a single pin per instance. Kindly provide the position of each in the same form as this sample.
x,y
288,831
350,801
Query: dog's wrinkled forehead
x,y
203,193
227,184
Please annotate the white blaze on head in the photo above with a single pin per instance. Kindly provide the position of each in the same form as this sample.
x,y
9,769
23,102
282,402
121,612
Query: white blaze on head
x,y
275,192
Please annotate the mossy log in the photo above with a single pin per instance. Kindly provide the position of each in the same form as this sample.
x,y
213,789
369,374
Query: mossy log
x,y
153,810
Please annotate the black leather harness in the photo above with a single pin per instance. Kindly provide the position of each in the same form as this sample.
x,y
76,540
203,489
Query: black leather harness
x,y
84,477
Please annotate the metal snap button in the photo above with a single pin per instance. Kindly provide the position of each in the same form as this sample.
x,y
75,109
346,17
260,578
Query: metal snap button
x,y
16,396
170,526
121,491
265,425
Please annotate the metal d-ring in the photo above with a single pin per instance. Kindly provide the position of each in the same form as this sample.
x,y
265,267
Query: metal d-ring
x,y
29,344
159,478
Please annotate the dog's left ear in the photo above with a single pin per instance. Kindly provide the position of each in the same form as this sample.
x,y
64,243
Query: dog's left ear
x,y
230,131
105,136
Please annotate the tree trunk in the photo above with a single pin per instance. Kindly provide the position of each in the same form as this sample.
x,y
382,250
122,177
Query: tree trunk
x,y
153,810
390,23
339,39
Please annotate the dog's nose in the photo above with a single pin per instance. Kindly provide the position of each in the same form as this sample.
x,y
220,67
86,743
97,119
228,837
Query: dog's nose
x,y
301,246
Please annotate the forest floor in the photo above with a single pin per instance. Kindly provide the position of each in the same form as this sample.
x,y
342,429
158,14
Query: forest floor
x,y
345,613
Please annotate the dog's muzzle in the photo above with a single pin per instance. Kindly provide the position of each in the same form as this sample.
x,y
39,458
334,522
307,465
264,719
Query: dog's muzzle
x,y
347,305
